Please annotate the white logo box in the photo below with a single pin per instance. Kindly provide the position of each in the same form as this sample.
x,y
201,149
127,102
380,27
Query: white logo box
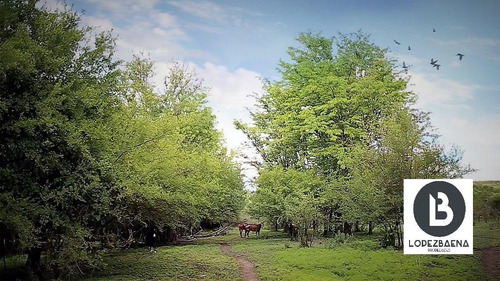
x,y
416,240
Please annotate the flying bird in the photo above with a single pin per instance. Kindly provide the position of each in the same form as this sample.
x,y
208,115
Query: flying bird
x,y
397,42
460,56
433,62
409,48
433,30
404,65
437,66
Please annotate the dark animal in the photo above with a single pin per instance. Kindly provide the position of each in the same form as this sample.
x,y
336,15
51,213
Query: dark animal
x,y
151,237
460,56
242,227
409,48
253,227
436,66
433,30
347,229
397,42
433,62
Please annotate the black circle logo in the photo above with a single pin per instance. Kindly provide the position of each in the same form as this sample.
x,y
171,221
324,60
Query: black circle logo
x,y
439,208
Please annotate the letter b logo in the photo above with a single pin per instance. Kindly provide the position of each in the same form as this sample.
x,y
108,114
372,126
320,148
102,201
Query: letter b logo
x,y
439,208
443,207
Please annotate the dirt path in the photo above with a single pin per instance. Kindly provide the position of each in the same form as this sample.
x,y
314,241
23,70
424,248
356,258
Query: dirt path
x,y
247,268
491,261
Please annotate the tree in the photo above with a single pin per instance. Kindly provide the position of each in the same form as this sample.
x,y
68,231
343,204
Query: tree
x,y
56,96
486,201
173,166
288,196
89,151
341,112
321,109
405,149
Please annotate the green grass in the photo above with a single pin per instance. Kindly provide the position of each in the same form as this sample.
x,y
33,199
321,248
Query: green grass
x,y
360,258
486,235
190,262
278,258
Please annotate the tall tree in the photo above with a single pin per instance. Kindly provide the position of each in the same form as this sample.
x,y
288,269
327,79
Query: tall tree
x,y
173,165
56,93
335,107
406,149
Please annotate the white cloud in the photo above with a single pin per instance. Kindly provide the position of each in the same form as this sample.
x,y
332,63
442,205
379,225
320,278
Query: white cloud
x,y
230,96
141,27
123,7
432,90
101,24
166,20
203,9
479,139
53,5
477,136
213,12
231,90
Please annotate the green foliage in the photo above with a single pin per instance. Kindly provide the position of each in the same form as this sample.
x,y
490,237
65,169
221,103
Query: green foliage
x,y
56,97
321,107
341,114
88,150
174,168
192,262
404,150
486,200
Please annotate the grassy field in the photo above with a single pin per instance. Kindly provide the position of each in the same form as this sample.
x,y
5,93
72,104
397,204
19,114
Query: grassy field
x,y
278,258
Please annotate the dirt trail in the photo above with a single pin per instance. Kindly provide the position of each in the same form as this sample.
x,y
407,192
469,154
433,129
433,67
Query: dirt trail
x,y
491,261
247,268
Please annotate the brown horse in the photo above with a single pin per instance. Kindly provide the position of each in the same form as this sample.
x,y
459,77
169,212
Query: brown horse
x,y
253,227
242,227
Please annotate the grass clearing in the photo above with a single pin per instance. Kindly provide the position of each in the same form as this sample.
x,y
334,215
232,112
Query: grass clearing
x,y
278,258
190,262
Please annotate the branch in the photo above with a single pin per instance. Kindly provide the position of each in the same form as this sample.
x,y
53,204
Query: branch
x,y
137,145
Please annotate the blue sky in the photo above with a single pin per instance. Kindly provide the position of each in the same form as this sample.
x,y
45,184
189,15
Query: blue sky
x,y
233,43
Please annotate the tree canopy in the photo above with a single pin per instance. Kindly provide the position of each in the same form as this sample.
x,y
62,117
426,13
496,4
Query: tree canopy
x,y
89,148
342,115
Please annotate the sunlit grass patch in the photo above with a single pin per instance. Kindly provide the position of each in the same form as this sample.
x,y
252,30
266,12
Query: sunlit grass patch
x,y
486,235
191,262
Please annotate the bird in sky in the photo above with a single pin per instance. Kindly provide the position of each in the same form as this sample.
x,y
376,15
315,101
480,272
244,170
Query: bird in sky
x,y
397,42
433,62
436,66
409,48
433,30
404,65
460,56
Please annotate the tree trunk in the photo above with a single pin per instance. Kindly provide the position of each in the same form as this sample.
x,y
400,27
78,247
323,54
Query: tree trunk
x,y
400,234
33,261
328,231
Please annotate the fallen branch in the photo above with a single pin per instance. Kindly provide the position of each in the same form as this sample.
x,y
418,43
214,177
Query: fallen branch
x,y
218,232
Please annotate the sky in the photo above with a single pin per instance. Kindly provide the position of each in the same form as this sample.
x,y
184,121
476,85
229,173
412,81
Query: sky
x,y
233,44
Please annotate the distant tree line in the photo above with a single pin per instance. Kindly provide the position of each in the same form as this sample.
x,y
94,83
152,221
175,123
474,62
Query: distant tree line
x,y
337,134
487,201
91,154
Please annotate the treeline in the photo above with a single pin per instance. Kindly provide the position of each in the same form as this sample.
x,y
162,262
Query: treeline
x,y
487,200
91,154
337,134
